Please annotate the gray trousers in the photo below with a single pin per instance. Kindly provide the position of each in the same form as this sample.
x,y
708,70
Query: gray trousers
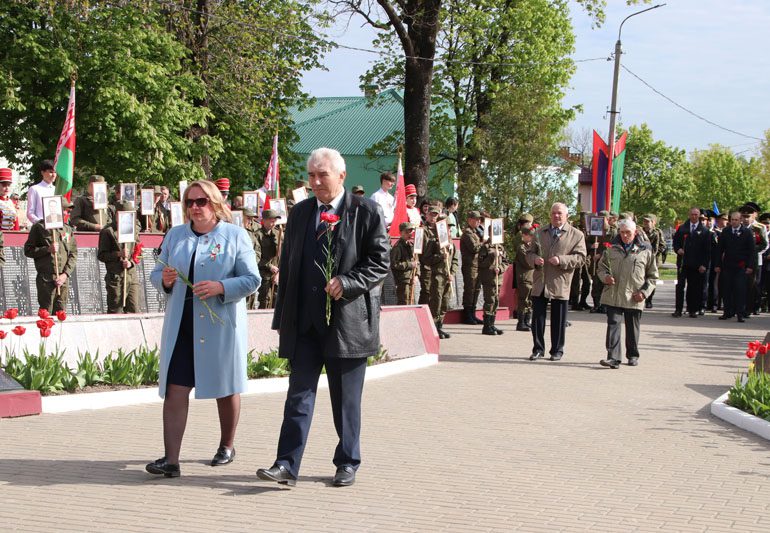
x,y
631,318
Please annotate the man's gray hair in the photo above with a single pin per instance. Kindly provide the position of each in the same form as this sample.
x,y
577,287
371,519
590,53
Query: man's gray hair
x,y
561,206
626,224
329,154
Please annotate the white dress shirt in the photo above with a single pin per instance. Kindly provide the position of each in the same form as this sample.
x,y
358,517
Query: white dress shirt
x,y
333,210
35,196
387,202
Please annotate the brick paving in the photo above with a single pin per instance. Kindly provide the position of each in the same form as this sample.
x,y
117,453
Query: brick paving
x,y
484,441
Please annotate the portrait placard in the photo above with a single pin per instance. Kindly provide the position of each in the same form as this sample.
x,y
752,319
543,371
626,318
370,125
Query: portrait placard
x,y
279,205
237,217
128,192
442,232
250,201
126,226
53,217
100,195
497,231
182,188
299,194
148,202
177,213
419,240
486,224
595,225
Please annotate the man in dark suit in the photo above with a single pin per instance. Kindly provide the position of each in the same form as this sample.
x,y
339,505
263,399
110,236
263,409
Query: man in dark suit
x,y
736,261
692,243
309,337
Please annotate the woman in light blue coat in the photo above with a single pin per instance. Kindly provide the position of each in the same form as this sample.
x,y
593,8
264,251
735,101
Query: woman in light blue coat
x,y
204,339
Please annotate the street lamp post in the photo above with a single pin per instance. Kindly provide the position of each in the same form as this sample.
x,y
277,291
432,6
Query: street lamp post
x,y
614,105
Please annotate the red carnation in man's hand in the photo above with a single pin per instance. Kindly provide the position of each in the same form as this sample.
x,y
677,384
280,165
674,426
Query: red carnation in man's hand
x,y
329,218
607,244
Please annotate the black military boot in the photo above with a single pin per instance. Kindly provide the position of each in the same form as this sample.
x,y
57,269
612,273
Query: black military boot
x,y
487,329
497,330
441,333
473,316
521,325
528,320
468,317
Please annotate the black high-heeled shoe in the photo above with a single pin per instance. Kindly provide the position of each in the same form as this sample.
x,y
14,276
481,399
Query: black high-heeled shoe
x,y
161,467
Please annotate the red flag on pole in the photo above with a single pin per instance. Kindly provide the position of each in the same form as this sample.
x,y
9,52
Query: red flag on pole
x,y
273,175
64,163
399,213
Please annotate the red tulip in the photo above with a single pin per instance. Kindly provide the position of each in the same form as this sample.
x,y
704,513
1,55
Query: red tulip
x,y
751,354
762,349
49,323
61,315
41,324
607,244
19,330
754,345
45,332
3,334
11,313
43,313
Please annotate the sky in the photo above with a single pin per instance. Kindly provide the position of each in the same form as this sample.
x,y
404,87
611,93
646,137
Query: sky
x,y
709,56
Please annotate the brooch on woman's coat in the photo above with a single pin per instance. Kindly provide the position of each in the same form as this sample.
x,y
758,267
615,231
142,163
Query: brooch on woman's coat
x,y
214,251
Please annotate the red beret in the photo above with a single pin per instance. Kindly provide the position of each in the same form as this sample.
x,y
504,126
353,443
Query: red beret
x,y
6,175
223,184
410,190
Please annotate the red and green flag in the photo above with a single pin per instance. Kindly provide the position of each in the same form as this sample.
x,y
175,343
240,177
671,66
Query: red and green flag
x,y
65,150
617,171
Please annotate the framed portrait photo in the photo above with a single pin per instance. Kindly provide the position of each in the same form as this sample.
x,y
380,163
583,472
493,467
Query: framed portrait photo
x,y
419,240
497,230
299,194
100,195
487,225
126,226
53,216
595,225
128,192
177,213
442,232
250,200
182,188
279,205
237,217
148,202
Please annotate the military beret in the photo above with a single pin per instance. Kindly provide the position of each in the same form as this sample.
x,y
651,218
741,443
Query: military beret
x,y
248,212
66,204
526,217
96,179
358,188
405,226
474,214
626,215
270,213
604,213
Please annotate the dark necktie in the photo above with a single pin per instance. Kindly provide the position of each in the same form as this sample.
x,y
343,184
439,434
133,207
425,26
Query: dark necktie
x,y
555,232
692,228
736,232
322,225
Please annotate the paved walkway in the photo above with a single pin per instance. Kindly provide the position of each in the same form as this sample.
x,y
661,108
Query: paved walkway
x,y
483,441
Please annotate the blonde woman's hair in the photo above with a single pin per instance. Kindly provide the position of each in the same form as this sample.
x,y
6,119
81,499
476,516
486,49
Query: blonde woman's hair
x,y
221,211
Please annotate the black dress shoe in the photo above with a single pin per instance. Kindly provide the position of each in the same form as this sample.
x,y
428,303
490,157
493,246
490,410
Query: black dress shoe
x,y
724,317
277,473
693,315
701,312
223,456
344,477
161,468
556,357
610,363
536,355
741,319
633,361
676,314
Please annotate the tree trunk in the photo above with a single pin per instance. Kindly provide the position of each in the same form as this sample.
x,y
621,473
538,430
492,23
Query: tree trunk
x,y
417,93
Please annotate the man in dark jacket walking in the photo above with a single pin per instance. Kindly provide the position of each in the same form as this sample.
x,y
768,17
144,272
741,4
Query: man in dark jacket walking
x,y
736,261
339,332
692,243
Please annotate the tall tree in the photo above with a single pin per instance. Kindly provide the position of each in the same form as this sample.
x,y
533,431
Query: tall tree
x,y
722,176
657,177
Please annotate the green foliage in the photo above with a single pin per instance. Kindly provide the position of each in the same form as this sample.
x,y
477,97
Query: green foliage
x,y
89,371
752,394
657,177
266,365
723,176
147,365
381,356
41,371
120,369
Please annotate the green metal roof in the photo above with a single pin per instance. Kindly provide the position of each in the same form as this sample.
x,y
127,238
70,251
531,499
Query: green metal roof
x,y
349,124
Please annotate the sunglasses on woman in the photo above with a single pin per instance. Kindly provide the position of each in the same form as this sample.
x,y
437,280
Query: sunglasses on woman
x,y
200,202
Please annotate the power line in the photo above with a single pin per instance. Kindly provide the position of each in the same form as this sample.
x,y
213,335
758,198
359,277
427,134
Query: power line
x,y
693,113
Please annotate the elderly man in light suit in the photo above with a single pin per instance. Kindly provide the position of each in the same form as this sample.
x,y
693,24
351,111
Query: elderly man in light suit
x,y
560,249
361,252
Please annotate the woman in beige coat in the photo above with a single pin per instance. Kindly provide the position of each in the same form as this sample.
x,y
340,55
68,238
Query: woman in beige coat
x,y
628,271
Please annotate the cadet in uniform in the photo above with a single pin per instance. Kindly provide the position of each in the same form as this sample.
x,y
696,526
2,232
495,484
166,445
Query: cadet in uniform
x,y
426,272
119,263
403,264
55,253
470,244
84,216
267,252
491,267
443,265
160,220
524,276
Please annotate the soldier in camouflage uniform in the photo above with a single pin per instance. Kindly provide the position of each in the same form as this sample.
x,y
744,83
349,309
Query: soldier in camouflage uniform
x,y
55,253
251,227
443,264
524,276
267,253
403,263
84,217
160,220
657,243
492,264
470,244
119,263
